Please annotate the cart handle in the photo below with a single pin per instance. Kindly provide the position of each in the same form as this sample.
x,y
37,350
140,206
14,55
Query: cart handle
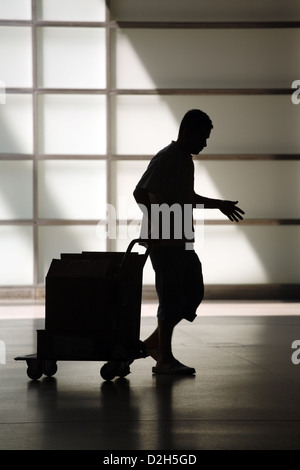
x,y
131,245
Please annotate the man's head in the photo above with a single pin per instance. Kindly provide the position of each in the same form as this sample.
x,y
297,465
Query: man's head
x,y
194,130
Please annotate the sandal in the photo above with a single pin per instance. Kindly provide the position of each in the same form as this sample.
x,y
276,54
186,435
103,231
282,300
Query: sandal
x,y
175,368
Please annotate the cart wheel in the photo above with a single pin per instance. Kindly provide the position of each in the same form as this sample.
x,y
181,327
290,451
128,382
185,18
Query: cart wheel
x,y
34,369
49,368
107,371
123,369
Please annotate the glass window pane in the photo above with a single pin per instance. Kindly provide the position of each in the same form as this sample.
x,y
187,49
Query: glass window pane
x,y
71,10
16,56
16,130
16,204
275,185
147,60
72,124
242,124
65,239
206,10
16,254
143,116
71,57
124,178
249,255
72,189
15,9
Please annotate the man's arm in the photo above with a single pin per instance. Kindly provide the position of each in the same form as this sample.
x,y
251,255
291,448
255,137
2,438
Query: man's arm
x,y
228,208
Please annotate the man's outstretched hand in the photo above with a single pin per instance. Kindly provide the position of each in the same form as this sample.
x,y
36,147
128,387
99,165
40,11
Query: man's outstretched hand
x,y
230,209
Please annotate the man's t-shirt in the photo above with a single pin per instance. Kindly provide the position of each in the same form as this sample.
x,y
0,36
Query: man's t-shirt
x,y
166,192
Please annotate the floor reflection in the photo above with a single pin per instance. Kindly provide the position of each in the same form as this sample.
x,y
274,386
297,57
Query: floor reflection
x,y
245,394
122,415
170,391
109,419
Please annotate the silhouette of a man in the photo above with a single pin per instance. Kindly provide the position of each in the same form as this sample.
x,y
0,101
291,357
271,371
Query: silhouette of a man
x,y
166,195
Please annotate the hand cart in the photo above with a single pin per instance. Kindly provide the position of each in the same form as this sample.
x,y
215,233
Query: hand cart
x,y
92,312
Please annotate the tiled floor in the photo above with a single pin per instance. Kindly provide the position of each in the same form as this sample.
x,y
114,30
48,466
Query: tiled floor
x,y
245,395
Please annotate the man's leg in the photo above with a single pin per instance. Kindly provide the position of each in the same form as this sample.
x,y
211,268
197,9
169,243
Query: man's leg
x,y
159,343
166,362
169,266
165,333
152,344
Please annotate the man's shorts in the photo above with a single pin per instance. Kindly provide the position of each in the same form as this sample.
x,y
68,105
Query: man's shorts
x,y
178,282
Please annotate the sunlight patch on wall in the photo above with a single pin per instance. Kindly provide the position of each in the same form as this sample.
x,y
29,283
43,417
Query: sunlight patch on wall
x,y
236,254
16,204
16,254
228,257
144,124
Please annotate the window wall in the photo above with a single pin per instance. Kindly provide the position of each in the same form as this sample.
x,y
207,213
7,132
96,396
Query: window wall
x,y
91,90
